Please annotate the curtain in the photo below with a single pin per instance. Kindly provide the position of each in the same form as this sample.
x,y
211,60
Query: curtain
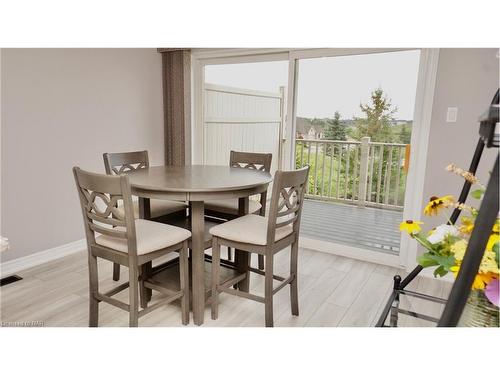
x,y
177,105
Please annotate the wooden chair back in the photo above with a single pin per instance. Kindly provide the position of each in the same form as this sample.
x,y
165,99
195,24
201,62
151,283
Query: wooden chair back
x,y
120,162
251,160
289,189
99,197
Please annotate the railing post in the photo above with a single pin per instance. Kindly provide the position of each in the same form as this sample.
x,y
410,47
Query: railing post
x,y
363,171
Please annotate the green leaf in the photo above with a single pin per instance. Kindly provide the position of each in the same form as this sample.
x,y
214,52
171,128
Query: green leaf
x,y
446,262
477,194
422,239
440,271
496,251
425,260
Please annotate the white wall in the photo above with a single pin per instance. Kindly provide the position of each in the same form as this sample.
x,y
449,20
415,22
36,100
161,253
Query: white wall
x,y
66,107
467,79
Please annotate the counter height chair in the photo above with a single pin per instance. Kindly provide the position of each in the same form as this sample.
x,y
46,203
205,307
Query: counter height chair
x,y
120,162
228,209
131,242
265,236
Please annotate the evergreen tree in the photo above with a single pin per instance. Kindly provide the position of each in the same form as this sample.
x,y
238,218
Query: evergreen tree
x,y
334,130
377,123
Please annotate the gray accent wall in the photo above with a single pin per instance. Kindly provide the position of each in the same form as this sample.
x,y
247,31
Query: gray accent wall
x,y
66,107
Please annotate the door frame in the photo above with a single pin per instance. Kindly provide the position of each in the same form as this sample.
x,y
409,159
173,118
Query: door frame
x,y
424,98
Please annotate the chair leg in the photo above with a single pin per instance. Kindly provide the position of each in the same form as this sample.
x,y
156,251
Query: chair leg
x,y
145,293
215,277
261,261
184,282
294,293
236,260
229,253
268,290
133,295
93,288
116,271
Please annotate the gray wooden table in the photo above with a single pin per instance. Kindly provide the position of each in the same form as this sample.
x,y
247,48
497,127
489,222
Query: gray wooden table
x,y
196,184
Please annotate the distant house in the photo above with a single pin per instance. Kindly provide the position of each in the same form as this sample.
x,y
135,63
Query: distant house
x,y
306,130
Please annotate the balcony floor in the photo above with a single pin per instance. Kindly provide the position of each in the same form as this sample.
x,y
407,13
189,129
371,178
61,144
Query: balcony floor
x,y
367,228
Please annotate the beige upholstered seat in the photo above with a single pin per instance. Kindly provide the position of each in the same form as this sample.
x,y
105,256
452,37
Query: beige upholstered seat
x,y
250,229
159,207
151,236
230,206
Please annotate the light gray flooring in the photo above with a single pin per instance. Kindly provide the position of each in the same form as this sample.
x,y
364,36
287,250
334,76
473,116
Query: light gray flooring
x,y
333,291
366,228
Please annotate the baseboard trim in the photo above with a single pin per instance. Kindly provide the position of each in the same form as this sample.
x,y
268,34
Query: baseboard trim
x,y
350,252
365,255
16,265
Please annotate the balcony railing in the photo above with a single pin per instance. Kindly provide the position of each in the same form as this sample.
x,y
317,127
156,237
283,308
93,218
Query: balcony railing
x,y
364,173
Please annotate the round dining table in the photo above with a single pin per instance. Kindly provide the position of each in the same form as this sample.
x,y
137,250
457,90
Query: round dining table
x,y
196,184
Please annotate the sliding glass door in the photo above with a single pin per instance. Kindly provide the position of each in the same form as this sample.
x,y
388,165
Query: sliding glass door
x,y
353,125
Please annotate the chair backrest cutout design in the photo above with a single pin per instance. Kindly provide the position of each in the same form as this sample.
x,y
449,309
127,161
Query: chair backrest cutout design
x,y
289,189
100,196
120,162
251,160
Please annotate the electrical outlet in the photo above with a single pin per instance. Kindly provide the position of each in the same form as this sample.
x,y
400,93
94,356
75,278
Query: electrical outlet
x,y
451,114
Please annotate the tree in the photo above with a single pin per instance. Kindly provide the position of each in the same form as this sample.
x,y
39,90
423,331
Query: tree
x,y
334,130
405,134
377,123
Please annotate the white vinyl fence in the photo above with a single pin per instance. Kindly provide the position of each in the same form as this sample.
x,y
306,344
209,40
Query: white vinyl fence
x,y
241,120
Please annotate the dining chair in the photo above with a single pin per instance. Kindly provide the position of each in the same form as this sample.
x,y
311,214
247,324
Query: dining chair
x,y
121,162
265,236
228,209
117,236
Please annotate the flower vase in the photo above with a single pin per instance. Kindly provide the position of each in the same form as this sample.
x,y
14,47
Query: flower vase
x,y
479,311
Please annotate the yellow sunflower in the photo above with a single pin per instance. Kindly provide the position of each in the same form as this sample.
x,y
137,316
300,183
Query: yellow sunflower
x,y
410,226
494,238
495,228
480,281
437,203
467,225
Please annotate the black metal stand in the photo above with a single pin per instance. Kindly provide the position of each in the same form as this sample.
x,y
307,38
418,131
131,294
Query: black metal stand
x,y
477,243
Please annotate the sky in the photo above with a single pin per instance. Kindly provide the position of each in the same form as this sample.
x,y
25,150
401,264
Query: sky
x,y
330,84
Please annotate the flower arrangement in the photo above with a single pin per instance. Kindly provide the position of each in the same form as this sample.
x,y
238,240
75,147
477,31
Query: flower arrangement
x,y
446,244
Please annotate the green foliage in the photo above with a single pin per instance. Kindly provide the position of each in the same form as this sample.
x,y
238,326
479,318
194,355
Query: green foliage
x,y
377,121
495,249
405,134
334,130
440,271
426,261
477,194
331,176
